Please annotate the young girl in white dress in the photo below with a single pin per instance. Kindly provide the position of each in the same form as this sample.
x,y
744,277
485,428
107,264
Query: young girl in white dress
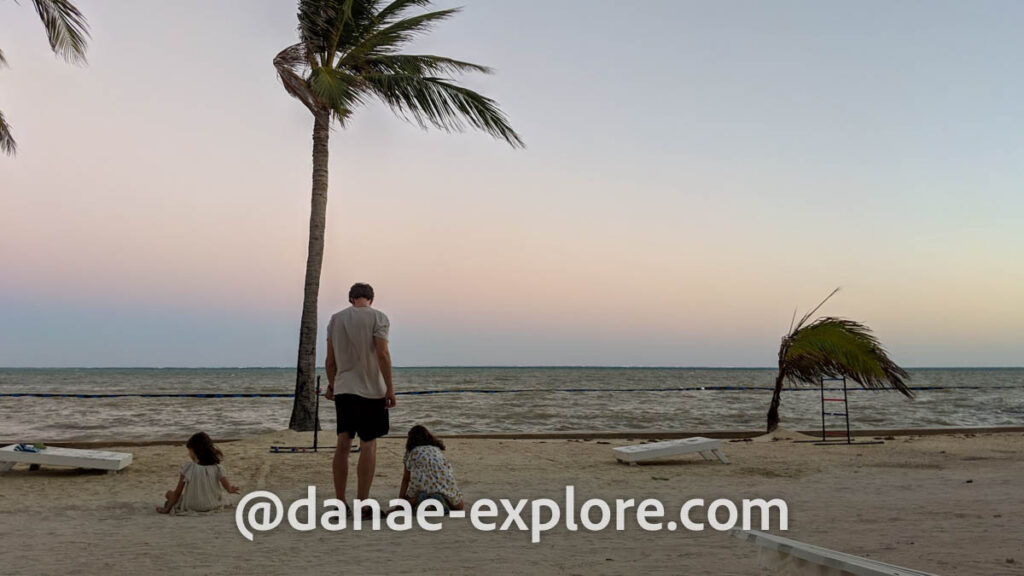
x,y
201,480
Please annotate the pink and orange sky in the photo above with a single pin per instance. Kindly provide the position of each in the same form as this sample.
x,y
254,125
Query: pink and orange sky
x,y
693,173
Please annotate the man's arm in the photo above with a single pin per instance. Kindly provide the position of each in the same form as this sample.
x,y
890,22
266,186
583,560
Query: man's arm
x,y
331,366
380,346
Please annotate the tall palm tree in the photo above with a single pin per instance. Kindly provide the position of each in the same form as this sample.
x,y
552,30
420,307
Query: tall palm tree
x,y
67,30
348,54
832,347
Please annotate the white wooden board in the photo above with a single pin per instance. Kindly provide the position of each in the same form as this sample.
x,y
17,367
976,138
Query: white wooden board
x,y
794,557
651,451
98,459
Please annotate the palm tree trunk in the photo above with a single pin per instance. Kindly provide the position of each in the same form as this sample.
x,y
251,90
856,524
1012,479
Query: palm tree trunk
x,y
303,410
773,409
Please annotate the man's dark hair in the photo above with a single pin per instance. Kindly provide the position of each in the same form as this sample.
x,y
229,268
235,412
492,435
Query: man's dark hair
x,y
360,290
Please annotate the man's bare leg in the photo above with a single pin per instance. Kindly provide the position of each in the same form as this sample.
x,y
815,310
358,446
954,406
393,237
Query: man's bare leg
x,y
341,465
366,467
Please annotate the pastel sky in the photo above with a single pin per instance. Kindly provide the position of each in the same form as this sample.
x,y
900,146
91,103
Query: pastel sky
x,y
694,172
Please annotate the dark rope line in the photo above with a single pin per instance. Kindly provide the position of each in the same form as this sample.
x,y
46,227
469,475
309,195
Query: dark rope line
x,y
481,391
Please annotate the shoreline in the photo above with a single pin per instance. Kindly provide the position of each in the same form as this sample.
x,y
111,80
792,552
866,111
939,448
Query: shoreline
x,y
582,435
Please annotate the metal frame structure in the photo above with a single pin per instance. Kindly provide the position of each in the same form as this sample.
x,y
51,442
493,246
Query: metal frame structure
x,y
845,414
825,433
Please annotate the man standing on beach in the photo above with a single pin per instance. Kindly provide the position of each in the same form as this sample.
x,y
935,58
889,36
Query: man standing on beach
x,y
359,382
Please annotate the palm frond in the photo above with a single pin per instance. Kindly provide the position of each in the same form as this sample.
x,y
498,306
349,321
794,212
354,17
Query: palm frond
x,y
348,51
396,9
66,28
7,143
336,90
391,38
421,64
343,17
438,102
835,347
356,22
315,20
807,316
292,65
330,27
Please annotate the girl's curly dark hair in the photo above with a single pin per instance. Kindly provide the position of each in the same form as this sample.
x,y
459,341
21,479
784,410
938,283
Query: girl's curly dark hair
x,y
202,446
420,436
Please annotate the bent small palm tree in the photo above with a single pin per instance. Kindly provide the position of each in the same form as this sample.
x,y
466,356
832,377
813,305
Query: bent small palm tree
x,y
348,54
832,347
66,29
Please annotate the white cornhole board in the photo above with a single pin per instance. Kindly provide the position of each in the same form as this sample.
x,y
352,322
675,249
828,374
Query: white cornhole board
x,y
644,452
110,461
780,555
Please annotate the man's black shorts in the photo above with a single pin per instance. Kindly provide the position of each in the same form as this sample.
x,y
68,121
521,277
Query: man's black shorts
x,y
365,417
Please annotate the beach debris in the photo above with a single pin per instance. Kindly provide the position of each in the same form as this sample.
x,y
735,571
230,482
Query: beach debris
x,y
662,478
603,442
969,482
1010,560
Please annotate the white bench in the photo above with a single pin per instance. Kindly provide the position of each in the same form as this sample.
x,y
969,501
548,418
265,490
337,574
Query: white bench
x,y
98,459
784,556
644,452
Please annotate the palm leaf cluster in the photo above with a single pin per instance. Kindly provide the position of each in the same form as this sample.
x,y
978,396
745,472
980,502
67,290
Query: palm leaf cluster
x,y
349,53
831,347
835,347
67,32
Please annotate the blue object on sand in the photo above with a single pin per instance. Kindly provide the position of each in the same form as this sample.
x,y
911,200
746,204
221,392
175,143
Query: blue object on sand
x,y
25,448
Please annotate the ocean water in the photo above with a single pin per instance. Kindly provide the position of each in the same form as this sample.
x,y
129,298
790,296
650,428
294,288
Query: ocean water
x,y
480,400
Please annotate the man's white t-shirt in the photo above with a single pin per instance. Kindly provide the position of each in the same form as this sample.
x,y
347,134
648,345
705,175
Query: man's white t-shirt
x,y
351,333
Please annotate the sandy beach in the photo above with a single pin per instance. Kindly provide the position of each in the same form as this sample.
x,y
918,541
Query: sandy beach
x,y
948,504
